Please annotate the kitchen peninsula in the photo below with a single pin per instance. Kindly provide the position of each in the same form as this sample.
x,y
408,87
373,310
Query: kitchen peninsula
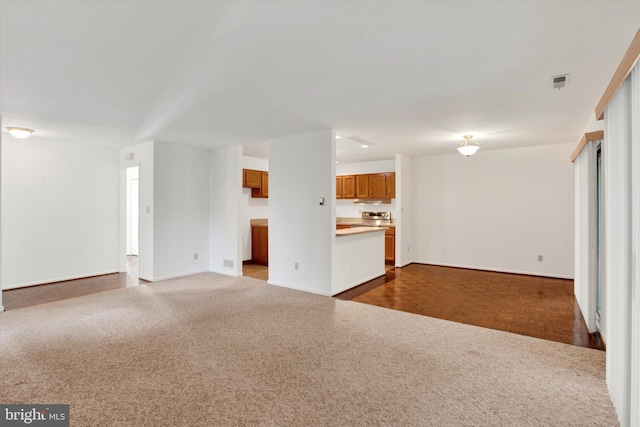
x,y
358,256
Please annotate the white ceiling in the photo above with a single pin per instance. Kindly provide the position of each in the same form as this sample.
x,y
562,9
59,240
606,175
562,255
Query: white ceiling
x,y
411,77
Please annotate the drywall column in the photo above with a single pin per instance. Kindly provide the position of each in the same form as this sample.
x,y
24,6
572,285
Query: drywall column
x,y
302,211
1,306
585,272
634,376
181,217
225,236
618,196
404,210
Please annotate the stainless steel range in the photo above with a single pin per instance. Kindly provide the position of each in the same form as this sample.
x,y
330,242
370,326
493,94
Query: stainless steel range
x,y
376,218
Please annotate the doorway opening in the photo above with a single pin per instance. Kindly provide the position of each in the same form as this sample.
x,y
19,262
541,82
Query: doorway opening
x,y
133,191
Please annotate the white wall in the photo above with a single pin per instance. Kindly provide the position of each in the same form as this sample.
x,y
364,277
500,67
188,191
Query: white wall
x,y
143,157
585,272
1,149
301,171
181,205
346,208
59,211
404,216
497,210
224,210
251,207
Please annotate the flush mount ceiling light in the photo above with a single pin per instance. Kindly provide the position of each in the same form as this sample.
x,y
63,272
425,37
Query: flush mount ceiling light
x,y
20,133
466,149
364,146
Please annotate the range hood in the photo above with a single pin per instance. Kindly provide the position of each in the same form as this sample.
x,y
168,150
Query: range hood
x,y
372,201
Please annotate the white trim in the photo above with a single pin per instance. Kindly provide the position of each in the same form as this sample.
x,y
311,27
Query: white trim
x,y
174,276
299,288
227,272
405,264
497,270
357,283
56,280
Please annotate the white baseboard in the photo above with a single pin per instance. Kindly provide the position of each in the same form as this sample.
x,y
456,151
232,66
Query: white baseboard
x,y
299,288
354,284
175,276
58,279
497,270
227,272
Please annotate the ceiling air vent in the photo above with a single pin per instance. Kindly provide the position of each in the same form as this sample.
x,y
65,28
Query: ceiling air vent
x,y
558,82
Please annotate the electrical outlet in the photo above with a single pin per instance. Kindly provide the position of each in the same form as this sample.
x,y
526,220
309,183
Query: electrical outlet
x,y
195,256
540,258
296,266
228,263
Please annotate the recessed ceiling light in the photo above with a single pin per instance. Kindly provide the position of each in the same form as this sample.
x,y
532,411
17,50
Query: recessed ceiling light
x,y
364,146
338,137
20,133
337,161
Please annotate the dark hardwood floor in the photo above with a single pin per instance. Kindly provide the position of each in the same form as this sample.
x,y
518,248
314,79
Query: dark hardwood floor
x,y
40,294
528,305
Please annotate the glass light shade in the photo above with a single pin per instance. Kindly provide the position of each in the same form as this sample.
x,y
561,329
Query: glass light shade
x,y
20,133
468,150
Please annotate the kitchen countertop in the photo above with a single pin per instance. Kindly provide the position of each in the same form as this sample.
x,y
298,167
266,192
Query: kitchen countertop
x,y
358,230
263,222
362,223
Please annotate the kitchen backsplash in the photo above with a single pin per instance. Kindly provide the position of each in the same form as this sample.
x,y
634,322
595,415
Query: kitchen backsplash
x,y
346,208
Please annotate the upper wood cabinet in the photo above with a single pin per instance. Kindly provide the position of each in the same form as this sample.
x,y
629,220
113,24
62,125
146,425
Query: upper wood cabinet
x,y
251,178
362,186
346,187
257,181
372,186
377,186
391,185
264,184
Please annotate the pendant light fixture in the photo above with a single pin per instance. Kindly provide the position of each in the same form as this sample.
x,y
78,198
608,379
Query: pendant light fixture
x,y
20,133
468,147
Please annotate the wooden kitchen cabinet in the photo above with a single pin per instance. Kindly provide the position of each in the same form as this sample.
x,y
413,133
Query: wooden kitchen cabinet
x,y
362,186
391,185
264,184
348,187
366,186
390,245
260,245
257,181
378,186
251,178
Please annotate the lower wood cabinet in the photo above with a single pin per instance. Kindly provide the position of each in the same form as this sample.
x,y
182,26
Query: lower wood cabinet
x,y
260,245
390,245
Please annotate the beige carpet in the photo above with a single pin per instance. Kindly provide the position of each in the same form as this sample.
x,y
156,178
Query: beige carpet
x,y
209,350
